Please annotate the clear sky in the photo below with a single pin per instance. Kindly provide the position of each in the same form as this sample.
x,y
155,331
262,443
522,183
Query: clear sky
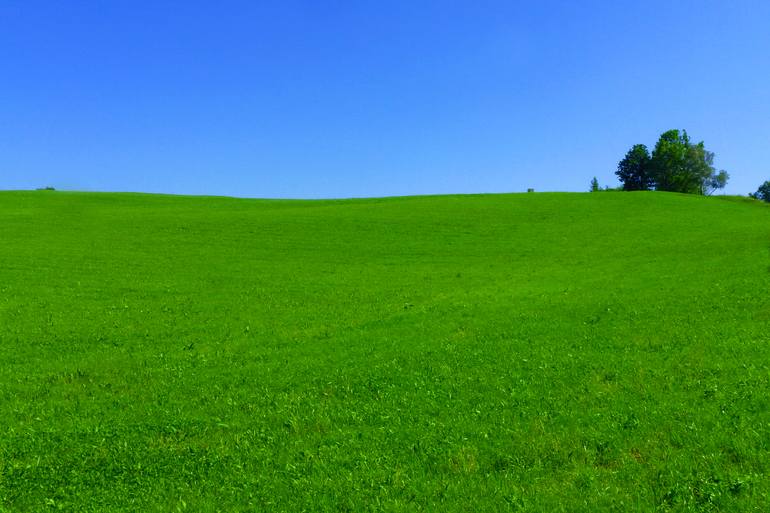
x,y
337,99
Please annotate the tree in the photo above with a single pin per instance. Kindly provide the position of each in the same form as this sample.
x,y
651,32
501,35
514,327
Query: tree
x,y
677,165
634,170
716,181
670,163
763,193
594,185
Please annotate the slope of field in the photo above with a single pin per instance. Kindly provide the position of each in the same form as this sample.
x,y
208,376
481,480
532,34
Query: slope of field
x,y
533,352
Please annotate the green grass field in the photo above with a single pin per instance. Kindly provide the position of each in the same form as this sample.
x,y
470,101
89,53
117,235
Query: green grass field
x,y
525,352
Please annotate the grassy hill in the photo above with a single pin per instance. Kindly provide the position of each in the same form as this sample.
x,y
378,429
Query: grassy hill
x,y
533,352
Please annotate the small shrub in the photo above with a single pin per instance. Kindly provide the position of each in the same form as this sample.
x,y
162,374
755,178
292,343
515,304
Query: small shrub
x,y
763,193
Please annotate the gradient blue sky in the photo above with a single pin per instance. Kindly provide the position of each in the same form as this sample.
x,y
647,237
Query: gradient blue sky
x,y
339,99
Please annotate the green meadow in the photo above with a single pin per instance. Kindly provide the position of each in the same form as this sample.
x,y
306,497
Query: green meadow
x,y
525,352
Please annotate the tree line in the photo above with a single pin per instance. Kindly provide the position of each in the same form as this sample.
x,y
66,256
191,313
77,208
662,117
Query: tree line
x,y
676,164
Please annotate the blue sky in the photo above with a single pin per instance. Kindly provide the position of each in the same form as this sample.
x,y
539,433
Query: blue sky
x,y
339,99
